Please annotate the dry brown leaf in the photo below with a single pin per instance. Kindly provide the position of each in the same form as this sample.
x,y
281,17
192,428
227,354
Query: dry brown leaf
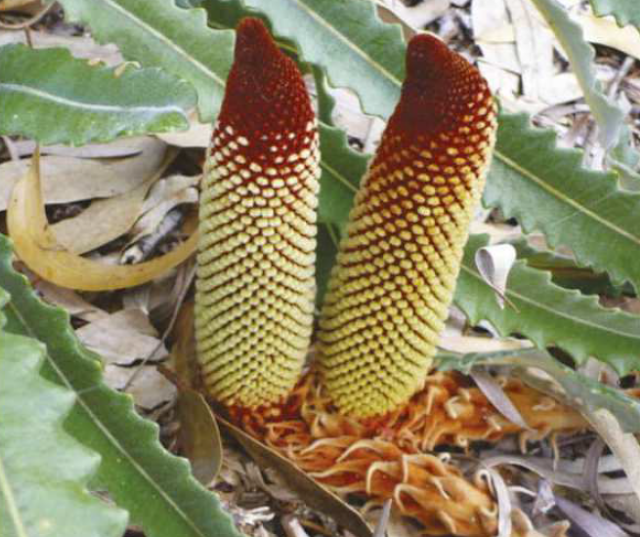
x,y
494,264
165,195
623,445
468,344
605,31
67,179
80,46
149,388
199,436
123,337
534,44
38,248
198,135
22,6
415,17
70,301
106,220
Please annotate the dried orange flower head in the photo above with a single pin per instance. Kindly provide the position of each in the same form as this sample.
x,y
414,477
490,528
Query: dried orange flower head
x,y
397,266
255,286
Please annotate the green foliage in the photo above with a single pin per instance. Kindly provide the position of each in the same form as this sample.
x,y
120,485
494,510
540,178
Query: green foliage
x,y
548,314
342,169
154,486
49,96
581,56
345,37
624,11
43,471
565,272
547,189
156,33
348,39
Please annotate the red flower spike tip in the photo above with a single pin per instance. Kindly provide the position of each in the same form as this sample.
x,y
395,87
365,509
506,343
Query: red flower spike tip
x,y
255,287
396,271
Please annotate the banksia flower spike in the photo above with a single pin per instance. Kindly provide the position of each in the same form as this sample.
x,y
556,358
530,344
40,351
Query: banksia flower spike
x,y
255,286
397,266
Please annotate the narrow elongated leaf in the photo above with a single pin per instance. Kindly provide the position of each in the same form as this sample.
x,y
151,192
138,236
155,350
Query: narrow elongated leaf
x,y
342,169
565,272
546,188
624,11
582,56
160,34
49,96
43,471
550,315
153,485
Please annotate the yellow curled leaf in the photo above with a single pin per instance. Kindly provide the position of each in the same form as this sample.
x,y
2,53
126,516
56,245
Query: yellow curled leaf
x,y
36,245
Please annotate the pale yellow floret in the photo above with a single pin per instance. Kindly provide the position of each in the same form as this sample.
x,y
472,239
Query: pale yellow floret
x,y
255,286
393,282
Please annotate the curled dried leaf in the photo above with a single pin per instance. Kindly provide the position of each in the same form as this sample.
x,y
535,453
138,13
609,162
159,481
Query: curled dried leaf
x,y
36,246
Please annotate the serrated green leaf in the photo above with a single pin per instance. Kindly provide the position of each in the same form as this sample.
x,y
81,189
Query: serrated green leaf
x,y
349,40
49,96
624,158
160,34
550,315
565,272
43,471
582,56
624,11
326,102
588,395
154,486
342,169
547,189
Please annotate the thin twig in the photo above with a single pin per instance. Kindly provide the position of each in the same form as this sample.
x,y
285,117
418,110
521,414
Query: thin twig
x,y
626,66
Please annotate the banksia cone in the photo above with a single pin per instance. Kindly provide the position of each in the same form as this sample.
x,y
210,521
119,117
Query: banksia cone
x,y
396,271
255,286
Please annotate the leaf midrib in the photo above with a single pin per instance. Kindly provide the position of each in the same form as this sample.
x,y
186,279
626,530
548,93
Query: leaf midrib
x,y
20,88
347,42
569,201
161,37
80,401
557,313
